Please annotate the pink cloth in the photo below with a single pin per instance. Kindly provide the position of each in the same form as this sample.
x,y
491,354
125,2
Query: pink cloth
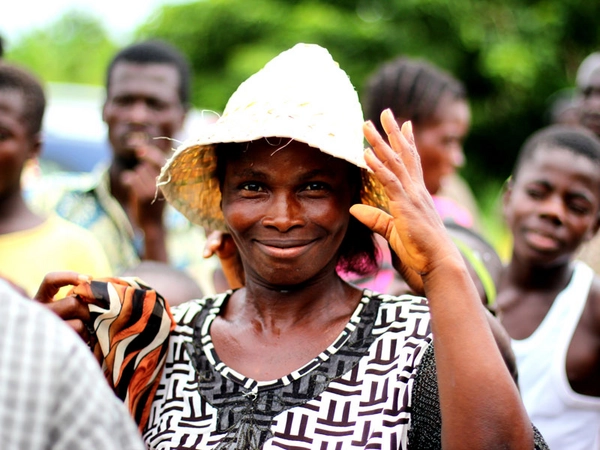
x,y
449,209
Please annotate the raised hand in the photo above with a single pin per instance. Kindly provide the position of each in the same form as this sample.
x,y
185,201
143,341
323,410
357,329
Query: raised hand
x,y
146,203
221,244
413,227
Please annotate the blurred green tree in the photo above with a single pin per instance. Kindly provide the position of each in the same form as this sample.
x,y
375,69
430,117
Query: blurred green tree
x,y
75,48
512,54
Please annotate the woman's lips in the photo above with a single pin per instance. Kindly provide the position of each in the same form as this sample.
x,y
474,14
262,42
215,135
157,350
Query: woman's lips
x,y
284,249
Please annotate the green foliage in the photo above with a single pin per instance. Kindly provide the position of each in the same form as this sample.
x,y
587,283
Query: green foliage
x,y
76,48
511,54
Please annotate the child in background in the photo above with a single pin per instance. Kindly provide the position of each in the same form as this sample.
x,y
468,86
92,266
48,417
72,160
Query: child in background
x,y
32,245
548,302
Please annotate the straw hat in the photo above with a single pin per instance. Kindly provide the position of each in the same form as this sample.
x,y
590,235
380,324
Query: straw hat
x,y
301,94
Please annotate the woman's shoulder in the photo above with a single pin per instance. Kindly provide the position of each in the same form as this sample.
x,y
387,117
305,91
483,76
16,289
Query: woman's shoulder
x,y
185,313
403,313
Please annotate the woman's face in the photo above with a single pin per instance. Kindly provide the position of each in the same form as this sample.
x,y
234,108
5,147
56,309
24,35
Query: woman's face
x,y
440,140
286,207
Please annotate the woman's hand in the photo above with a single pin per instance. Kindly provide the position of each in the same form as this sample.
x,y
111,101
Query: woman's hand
x,y
221,244
71,309
146,202
413,227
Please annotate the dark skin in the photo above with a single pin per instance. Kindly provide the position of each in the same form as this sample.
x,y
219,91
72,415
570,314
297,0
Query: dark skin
x,y
552,207
300,208
284,296
142,111
18,144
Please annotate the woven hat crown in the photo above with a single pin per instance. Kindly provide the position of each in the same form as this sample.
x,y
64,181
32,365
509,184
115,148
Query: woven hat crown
x,y
301,94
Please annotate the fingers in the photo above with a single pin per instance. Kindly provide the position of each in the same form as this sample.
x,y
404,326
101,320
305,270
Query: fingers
x,y
214,240
402,141
70,308
400,156
221,244
80,327
142,178
151,155
53,281
375,219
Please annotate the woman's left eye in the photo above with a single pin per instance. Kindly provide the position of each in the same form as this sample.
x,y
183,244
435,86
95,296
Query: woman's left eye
x,y
254,187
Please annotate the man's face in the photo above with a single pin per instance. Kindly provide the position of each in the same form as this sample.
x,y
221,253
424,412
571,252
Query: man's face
x,y
142,104
590,104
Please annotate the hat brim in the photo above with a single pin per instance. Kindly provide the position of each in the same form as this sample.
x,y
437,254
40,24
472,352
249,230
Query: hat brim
x,y
189,182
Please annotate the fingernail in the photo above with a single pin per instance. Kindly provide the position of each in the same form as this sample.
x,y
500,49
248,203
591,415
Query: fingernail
x,y
85,278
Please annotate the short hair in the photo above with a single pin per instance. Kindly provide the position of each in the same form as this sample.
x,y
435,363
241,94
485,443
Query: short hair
x,y
576,139
155,52
411,88
358,251
17,79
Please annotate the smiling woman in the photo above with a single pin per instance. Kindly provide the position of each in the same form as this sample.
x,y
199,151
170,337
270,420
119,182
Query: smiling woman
x,y
298,357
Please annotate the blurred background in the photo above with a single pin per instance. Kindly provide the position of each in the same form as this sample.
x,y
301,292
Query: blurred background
x,y
515,57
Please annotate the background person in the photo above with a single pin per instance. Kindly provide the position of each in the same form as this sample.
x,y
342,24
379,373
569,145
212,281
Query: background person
x,y
548,302
270,364
588,86
52,392
33,244
147,98
436,104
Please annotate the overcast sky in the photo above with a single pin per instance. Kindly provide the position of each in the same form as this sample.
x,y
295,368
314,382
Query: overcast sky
x,y
120,17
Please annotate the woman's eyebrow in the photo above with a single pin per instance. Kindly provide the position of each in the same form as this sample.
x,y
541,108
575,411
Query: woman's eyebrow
x,y
317,173
250,172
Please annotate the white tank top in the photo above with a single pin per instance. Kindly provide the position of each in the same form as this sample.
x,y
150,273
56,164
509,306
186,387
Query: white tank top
x,y
566,419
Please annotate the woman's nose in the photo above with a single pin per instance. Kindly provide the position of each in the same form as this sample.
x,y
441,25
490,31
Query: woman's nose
x,y
284,212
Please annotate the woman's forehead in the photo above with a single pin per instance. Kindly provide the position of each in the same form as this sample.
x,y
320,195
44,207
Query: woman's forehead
x,y
274,151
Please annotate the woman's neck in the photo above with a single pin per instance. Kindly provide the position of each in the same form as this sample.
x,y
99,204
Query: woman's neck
x,y
318,302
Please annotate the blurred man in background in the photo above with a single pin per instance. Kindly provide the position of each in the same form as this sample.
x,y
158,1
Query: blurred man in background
x,y
147,99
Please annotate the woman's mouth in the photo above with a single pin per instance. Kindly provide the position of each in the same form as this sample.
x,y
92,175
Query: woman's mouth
x,y
284,249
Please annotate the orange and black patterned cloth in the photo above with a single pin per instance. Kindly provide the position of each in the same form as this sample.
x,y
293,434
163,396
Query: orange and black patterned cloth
x,y
132,324
375,385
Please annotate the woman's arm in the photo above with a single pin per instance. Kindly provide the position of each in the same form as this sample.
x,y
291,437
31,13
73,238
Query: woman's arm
x,y
479,401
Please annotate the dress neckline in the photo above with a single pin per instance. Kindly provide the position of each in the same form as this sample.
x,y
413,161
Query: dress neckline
x,y
254,385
